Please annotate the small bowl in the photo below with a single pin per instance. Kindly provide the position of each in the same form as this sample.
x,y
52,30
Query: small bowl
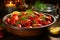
x,y
27,32
49,8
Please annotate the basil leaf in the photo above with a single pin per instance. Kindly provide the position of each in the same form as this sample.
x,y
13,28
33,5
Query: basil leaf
x,y
23,18
29,12
18,22
20,14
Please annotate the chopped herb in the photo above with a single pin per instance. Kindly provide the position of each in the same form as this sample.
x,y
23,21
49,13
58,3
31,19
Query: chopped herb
x,y
18,22
20,14
23,18
43,17
29,12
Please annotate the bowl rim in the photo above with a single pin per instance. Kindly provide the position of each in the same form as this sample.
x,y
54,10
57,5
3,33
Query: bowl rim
x,y
24,28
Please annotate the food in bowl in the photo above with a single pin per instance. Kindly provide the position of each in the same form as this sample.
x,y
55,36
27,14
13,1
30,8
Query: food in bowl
x,y
28,19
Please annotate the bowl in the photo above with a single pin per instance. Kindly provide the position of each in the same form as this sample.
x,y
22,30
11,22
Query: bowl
x,y
47,8
27,32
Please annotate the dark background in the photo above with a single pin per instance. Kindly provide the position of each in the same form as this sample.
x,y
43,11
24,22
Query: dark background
x,y
2,8
45,1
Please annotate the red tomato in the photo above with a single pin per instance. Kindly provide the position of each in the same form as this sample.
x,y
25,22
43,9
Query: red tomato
x,y
41,14
15,15
31,18
37,25
38,21
12,22
36,17
23,13
28,22
23,22
15,18
46,22
19,25
8,20
28,26
49,18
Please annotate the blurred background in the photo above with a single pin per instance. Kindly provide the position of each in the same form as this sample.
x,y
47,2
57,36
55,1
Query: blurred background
x,y
54,2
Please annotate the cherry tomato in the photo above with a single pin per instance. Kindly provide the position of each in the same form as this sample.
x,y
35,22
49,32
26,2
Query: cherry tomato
x,y
8,20
36,16
23,13
15,15
37,25
31,18
19,25
12,22
46,22
23,22
28,26
28,22
15,18
38,21
49,18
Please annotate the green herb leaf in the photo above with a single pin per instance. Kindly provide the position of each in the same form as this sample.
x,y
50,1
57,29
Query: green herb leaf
x,y
20,14
29,12
43,17
18,22
23,18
